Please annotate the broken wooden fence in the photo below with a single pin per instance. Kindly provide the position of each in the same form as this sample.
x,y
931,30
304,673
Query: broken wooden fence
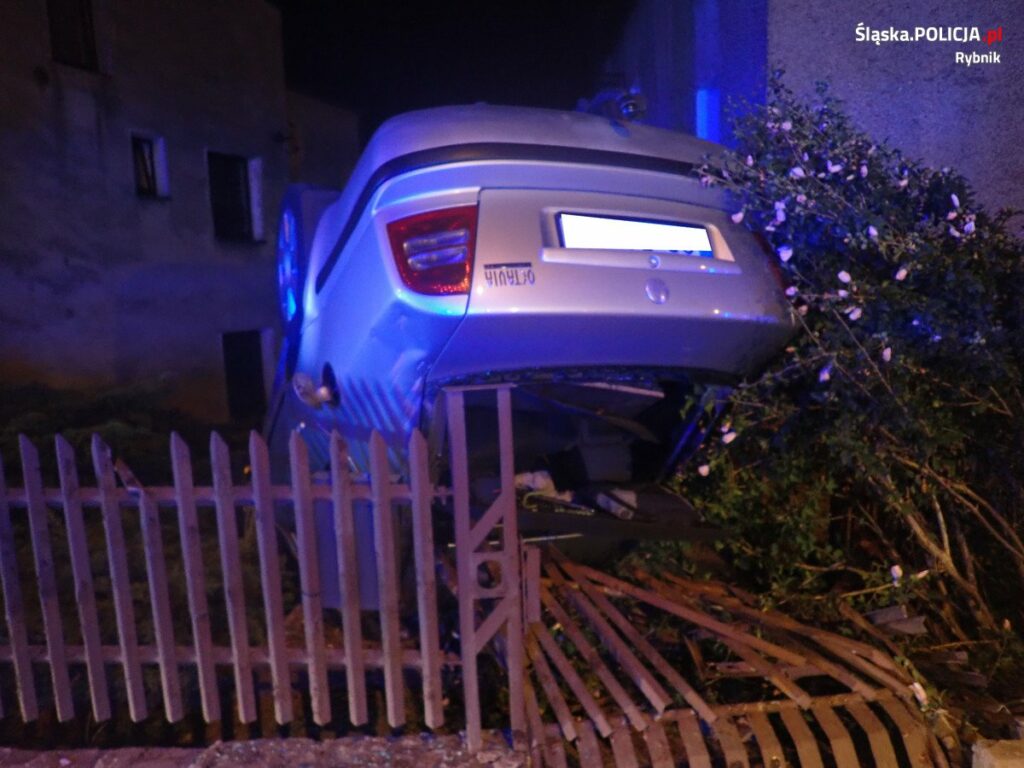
x,y
43,602
665,671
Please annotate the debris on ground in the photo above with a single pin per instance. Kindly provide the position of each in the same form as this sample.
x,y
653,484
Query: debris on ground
x,y
408,751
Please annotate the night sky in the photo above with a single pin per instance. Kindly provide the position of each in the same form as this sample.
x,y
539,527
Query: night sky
x,y
386,57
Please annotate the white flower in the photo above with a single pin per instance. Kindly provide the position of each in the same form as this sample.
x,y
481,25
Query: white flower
x,y
737,217
844,277
887,354
863,170
854,314
919,693
951,215
901,274
786,125
897,573
969,228
835,167
801,198
703,470
842,293
796,172
728,437
902,183
825,373
954,200
750,161
791,291
785,252
872,232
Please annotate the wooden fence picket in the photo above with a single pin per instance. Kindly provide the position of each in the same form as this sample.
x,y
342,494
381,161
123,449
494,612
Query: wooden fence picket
x,y
309,579
85,592
348,577
120,580
160,601
426,580
14,608
270,576
42,552
195,581
231,569
387,580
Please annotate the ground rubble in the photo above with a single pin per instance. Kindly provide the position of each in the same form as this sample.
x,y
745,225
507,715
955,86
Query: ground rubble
x,y
410,751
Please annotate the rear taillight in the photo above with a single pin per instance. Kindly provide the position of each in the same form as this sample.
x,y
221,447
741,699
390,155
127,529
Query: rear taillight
x,y
434,250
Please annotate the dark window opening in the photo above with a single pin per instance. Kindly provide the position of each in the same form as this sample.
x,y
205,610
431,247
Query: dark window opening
x,y
144,157
72,34
243,374
230,196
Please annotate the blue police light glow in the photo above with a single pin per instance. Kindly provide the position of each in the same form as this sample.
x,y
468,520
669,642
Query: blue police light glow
x,y
605,233
287,253
707,110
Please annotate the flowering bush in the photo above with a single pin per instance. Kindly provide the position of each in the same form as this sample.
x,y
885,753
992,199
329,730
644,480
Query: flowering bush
x,y
880,458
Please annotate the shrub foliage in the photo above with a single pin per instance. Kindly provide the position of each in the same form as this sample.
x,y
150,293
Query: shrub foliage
x,y
880,458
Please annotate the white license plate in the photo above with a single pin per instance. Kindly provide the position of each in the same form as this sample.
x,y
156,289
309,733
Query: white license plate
x,y
622,234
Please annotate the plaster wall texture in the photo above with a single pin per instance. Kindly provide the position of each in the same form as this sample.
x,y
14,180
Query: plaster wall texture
x,y
99,287
324,141
915,95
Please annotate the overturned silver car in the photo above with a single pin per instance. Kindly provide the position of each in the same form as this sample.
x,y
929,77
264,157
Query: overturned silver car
x,y
575,255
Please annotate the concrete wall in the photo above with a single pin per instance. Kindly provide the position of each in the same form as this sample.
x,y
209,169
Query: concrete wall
x,y
324,141
915,94
99,287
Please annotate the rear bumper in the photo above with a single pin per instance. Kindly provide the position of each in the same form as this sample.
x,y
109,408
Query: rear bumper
x,y
722,348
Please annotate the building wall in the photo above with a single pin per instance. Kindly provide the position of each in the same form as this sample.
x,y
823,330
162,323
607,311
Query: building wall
x,y
914,94
693,56
693,60
99,287
324,141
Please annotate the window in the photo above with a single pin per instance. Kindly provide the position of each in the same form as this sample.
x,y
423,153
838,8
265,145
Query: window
x,y
243,375
149,158
236,196
72,34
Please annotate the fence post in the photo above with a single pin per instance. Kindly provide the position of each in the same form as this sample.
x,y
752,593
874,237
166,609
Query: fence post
x,y
469,537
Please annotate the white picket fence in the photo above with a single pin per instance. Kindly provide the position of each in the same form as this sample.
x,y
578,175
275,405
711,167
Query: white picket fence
x,y
491,542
